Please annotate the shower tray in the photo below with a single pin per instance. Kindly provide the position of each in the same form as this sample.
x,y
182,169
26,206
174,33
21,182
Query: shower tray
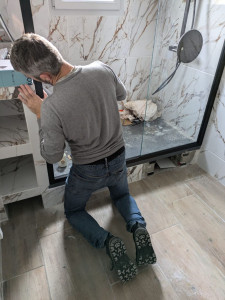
x,y
154,136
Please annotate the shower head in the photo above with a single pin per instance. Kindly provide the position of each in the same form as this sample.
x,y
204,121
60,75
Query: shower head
x,y
189,46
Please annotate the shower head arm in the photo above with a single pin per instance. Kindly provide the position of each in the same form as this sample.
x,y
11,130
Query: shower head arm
x,y
186,11
184,23
173,48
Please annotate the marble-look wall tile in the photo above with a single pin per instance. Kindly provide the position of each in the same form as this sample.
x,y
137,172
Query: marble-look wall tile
x,y
11,13
105,38
193,88
75,39
130,35
38,161
54,28
53,196
8,93
184,100
13,130
25,194
142,22
2,5
178,99
214,139
58,34
17,175
11,108
210,21
15,150
167,33
99,37
134,73
41,16
212,155
212,164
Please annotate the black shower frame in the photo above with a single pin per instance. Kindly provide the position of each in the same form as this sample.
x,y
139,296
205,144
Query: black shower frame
x,y
151,157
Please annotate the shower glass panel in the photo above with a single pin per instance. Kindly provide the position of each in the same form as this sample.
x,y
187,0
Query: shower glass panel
x,y
183,101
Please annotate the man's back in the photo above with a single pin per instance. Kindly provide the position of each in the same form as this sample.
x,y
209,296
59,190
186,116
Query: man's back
x,y
84,109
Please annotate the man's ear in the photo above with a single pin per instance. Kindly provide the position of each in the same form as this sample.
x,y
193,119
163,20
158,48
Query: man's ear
x,y
46,77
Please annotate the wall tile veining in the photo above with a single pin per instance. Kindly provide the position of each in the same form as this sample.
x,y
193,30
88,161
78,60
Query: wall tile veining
x,y
183,101
124,42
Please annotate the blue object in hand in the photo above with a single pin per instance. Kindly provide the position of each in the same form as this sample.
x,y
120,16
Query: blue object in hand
x,y
10,77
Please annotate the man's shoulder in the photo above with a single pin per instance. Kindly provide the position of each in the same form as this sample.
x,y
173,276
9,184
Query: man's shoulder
x,y
49,102
46,103
96,64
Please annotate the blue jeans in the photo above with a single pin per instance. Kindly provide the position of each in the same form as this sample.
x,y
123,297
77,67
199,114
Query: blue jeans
x,y
83,180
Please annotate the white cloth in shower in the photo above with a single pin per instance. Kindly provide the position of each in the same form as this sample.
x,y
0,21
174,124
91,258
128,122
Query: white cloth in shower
x,y
138,109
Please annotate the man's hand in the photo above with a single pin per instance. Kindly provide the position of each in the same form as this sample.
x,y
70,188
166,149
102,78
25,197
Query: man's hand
x,y
31,99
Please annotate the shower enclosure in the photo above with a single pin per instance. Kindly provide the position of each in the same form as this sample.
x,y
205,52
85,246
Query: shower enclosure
x,y
185,103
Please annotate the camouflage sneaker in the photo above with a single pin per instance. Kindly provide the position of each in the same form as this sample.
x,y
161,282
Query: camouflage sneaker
x,y
124,267
144,251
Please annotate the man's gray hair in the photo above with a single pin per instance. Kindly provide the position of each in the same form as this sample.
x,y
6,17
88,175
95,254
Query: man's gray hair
x,y
33,55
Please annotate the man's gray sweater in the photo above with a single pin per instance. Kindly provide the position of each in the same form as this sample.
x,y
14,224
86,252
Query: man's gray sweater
x,y
83,111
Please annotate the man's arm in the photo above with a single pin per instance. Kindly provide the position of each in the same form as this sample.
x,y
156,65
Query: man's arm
x,y
52,140
121,92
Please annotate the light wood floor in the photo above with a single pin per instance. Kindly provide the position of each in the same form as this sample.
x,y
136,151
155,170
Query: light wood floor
x,y
44,258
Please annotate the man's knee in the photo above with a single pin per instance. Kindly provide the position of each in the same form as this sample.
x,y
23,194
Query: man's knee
x,y
71,212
